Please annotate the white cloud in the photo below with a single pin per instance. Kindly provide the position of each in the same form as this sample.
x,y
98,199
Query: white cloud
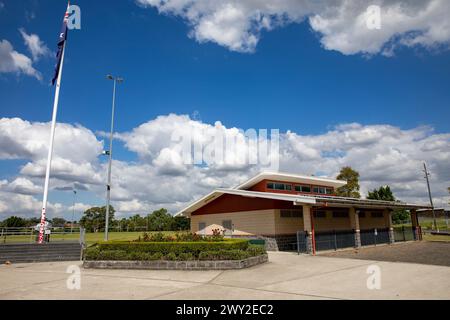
x,y
20,185
34,44
340,24
20,139
383,154
12,61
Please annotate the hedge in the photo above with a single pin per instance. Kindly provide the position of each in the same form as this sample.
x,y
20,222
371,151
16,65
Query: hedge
x,y
121,255
194,248
235,249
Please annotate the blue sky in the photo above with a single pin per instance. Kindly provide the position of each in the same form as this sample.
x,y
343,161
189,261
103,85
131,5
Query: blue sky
x,y
289,82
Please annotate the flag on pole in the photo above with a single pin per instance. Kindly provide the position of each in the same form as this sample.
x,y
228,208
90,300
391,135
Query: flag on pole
x,y
57,79
61,42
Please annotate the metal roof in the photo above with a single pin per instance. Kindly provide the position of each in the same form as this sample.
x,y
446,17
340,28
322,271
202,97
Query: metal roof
x,y
249,194
294,178
315,200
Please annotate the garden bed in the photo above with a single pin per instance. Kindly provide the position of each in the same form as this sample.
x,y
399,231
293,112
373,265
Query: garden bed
x,y
182,252
178,265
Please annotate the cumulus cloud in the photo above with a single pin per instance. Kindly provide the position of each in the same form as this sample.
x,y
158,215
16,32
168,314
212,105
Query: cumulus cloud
x,y
12,61
340,24
34,44
161,177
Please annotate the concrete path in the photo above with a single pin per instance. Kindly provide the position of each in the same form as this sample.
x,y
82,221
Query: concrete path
x,y
286,276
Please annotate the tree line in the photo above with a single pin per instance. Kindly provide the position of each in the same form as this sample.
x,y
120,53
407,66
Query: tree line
x,y
94,218
351,190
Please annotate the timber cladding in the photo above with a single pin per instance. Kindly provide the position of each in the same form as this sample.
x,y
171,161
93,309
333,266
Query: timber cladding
x,y
244,223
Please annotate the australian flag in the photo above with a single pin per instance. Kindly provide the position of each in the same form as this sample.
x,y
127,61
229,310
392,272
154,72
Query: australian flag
x,y
61,42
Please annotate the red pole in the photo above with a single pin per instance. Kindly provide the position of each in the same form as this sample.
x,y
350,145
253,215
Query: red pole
x,y
313,232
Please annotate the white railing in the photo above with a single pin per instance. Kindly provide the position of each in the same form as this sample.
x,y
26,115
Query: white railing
x,y
30,235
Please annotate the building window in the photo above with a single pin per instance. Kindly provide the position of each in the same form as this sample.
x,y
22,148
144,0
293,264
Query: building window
x,y
362,214
202,227
279,186
291,213
227,224
320,214
323,190
376,214
340,214
306,189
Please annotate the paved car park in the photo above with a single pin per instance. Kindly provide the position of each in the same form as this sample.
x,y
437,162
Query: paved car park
x,y
423,252
285,276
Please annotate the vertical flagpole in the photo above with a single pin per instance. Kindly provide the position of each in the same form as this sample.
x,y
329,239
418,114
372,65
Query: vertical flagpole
x,y
50,149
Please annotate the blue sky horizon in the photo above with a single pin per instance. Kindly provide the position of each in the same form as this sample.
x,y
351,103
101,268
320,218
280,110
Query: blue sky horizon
x,y
368,103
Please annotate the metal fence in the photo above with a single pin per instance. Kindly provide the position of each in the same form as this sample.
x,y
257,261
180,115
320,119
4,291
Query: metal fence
x,y
403,234
302,242
374,237
334,240
30,235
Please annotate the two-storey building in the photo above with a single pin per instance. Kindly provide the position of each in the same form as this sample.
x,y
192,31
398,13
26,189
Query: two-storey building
x,y
295,211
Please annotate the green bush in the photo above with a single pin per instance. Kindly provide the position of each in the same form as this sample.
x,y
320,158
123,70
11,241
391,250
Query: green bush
x,y
176,247
170,256
225,255
234,249
179,237
186,256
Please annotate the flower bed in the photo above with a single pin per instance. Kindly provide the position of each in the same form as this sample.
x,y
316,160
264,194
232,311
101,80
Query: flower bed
x,y
207,250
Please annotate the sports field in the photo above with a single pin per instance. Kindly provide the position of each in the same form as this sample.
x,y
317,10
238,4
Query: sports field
x,y
90,237
129,236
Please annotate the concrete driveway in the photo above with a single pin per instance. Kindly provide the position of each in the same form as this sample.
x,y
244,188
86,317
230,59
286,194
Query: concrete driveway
x,y
286,276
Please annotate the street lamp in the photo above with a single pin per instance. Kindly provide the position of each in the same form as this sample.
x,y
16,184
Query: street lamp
x,y
109,152
73,208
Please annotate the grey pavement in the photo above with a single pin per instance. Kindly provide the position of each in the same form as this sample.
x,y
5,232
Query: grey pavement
x,y
285,276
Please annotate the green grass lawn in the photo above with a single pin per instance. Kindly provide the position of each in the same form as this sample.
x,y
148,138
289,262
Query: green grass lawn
x,y
430,237
428,223
90,237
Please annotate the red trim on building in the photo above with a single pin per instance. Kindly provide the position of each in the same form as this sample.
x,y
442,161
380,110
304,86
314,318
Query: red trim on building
x,y
232,203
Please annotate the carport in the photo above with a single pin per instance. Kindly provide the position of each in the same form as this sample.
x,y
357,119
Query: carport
x,y
337,223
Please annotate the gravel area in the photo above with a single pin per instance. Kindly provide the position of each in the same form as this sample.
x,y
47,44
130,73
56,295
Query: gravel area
x,y
424,252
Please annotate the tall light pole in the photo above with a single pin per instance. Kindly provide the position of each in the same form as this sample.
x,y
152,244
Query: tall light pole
x,y
73,208
427,175
109,152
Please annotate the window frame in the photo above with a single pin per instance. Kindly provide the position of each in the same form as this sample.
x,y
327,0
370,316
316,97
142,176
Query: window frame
x,y
301,186
292,213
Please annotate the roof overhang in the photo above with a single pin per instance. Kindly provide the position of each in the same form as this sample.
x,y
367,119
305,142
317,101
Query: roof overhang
x,y
300,179
315,201
296,199
366,203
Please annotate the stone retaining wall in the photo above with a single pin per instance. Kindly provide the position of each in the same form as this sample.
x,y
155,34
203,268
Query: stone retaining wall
x,y
177,265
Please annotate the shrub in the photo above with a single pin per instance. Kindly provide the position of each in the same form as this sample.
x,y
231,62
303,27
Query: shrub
x,y
157,256
139,256
186,256
170,256
224,255
180,237
176,247
235,249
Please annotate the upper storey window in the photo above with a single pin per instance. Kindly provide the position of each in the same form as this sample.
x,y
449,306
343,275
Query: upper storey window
x,y
322,190
279,186
306,189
